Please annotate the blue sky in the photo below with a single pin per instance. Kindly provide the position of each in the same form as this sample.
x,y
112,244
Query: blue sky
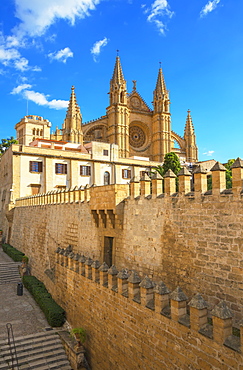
x,y
46,46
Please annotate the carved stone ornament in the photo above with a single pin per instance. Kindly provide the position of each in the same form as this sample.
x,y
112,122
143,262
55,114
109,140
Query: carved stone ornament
x,y
136,136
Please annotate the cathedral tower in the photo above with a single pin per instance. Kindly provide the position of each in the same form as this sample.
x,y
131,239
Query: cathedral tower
x,y
118,112
161,130
72,130
190,140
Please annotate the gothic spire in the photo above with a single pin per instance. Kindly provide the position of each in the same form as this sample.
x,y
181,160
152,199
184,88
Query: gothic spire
x,y
73,111
72,130
118,88
160,88
161,100
189,128
190,140
118,74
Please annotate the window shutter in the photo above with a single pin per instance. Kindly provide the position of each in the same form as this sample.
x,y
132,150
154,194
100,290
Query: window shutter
x,y
40,167
123,174
128,174
30,166
65,169
89,170
56,167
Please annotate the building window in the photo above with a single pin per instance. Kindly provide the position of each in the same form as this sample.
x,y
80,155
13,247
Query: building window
x,y
85,170
35,166
106,178
126,174
105,152
61,168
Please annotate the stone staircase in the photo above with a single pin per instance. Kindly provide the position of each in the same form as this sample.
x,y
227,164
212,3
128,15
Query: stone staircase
x,y
9,273
39,351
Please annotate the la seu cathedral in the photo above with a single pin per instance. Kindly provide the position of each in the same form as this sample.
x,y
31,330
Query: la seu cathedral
x,y
131,124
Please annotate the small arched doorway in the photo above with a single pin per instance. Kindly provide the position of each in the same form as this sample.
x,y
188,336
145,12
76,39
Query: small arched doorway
x,y
107,178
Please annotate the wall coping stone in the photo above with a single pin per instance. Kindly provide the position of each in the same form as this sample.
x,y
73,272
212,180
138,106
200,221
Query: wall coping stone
x,y
199,169
82,259
146,283
161,288
218,167
156,176
184,172
88,261
222,311
104,267
123,274
238,163
170,173
198,302
134,278
178,295
96,264
113,270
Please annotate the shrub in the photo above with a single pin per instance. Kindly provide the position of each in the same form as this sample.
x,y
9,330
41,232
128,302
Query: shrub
x,y
54,314
13,252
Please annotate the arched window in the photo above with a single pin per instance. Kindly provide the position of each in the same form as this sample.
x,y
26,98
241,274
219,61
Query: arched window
x,y
37,132
41,132
107,178
33,131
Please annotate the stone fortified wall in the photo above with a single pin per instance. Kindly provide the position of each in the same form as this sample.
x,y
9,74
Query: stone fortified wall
x,y
133,324
190,239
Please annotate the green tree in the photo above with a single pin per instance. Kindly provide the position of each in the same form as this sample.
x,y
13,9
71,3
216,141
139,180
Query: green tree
x,y
229,173
6,143
171,162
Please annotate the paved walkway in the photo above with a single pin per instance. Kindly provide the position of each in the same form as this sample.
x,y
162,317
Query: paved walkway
x,y
21,311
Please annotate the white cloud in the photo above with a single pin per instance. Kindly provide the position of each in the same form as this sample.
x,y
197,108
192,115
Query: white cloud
x,y
209,153
38,98
96,48
61,55
37,16
11,57
6,55
159,9
20,88
209,7
41,99
22,64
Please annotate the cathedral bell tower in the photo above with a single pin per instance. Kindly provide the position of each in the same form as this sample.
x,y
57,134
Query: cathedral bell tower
x,y
190,140
118,112
161,122
72,130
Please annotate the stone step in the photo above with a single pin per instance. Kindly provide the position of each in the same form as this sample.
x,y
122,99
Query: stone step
x,y
40,351
45,334
31,342
9,273
40,348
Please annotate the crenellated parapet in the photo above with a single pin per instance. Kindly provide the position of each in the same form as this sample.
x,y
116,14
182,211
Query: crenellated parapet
x,y
189,312
109,196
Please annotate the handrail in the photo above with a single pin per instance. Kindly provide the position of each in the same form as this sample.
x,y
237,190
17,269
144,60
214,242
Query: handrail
x,y
12,347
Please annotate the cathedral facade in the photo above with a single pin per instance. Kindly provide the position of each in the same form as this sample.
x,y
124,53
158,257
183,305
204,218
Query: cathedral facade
x,y
131,124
